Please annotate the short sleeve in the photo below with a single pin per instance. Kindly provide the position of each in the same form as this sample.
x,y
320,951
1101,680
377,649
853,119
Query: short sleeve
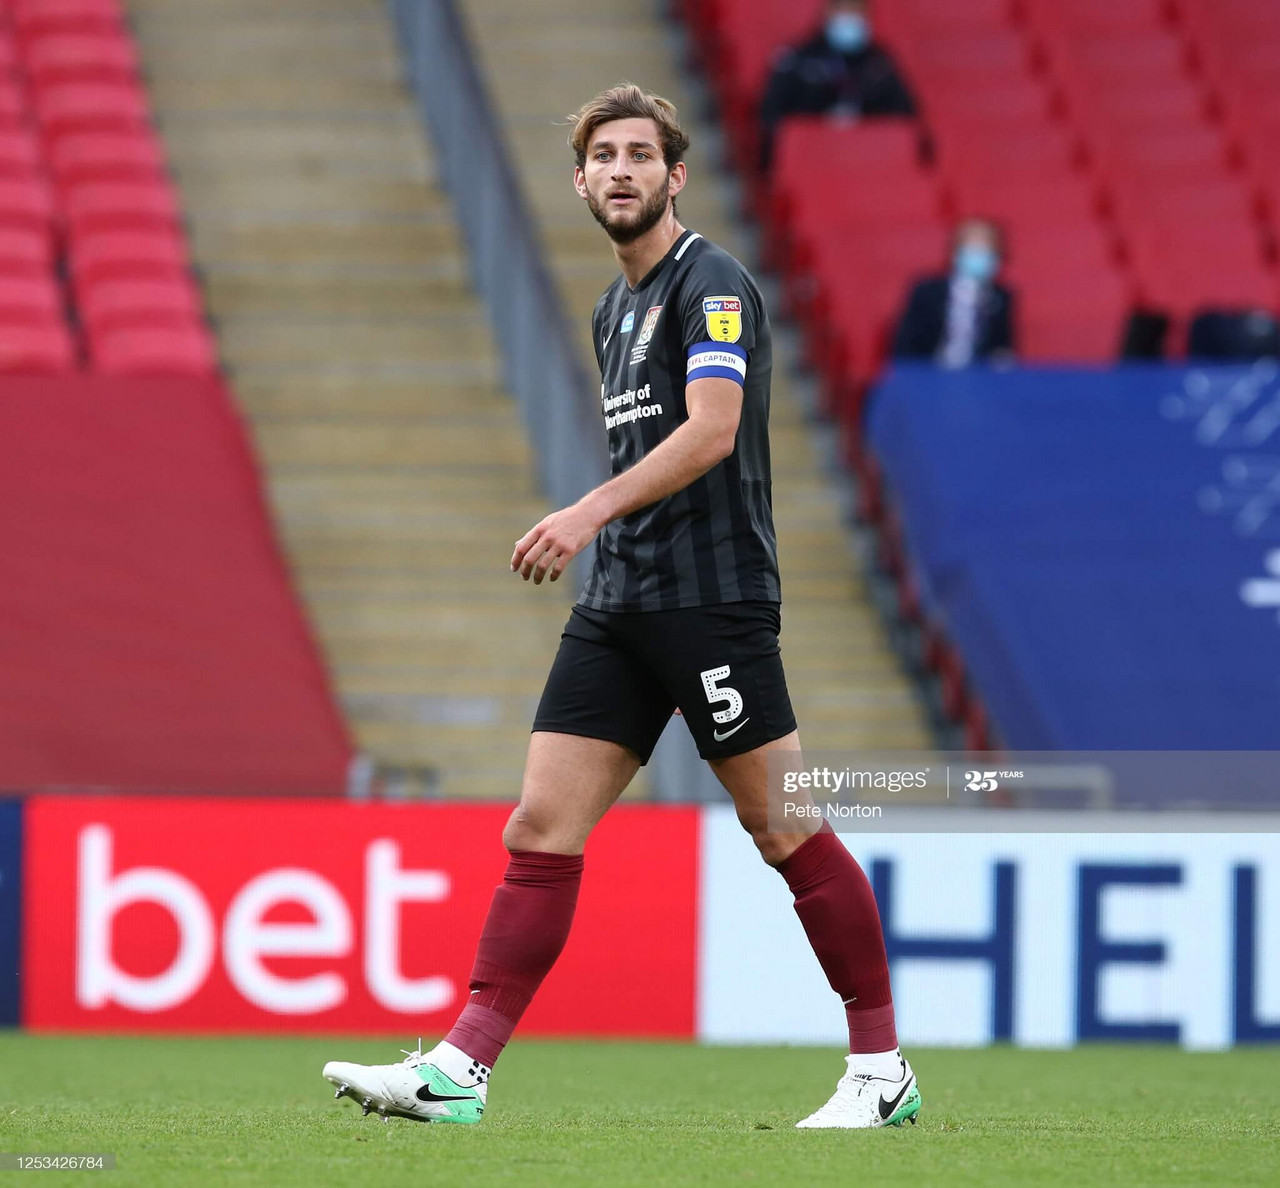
x,y
718,316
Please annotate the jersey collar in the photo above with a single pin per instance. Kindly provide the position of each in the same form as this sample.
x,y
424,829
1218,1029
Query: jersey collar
x,y
676,250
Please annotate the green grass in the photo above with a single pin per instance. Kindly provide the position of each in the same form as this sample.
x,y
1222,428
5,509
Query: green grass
x,y
256,1111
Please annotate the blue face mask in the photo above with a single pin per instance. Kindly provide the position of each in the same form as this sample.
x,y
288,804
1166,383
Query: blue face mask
x,y
848,32
977,263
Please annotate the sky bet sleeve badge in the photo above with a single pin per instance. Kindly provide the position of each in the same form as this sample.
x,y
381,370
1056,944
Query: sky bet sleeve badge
x,y
724,318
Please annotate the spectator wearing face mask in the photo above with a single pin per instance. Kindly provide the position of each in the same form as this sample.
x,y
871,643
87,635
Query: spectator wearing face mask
x,y
840,70
965,316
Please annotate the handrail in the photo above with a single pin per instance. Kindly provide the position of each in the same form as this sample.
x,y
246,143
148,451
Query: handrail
x,y
541,364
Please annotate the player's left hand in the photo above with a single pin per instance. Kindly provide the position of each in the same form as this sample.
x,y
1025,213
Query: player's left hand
x,y
553,542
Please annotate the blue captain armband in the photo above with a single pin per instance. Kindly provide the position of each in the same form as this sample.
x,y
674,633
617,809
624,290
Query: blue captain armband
x,y
717,360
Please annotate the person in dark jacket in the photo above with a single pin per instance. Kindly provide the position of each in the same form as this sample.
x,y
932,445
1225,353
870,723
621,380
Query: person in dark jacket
x,y
965,316
840,70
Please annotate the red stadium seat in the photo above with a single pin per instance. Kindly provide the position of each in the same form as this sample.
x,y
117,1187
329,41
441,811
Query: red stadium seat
x,y
13,106
108,305
915,17
29,299
1097,18
59,58
19,153
34,18
749,36
842,150
24,252
127,255
26,202
121,206
1020,105
1220,203
1084,64
106,156
822,170
69,108
977,59
1232,21
1141,106
153,351
36,350
1005,158
1174,156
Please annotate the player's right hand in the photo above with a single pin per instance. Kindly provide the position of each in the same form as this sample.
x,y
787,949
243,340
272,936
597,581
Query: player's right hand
x,y
553,542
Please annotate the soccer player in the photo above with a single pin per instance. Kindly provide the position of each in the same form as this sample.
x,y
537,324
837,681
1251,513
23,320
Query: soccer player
x,y
680,611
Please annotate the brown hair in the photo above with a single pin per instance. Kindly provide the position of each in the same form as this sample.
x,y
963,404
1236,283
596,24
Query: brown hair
x,y
624,102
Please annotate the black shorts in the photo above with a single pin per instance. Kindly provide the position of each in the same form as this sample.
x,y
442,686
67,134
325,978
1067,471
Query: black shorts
x,y
620,675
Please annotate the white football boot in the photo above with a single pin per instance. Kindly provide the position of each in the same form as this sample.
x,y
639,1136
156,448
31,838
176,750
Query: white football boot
x,y
864,1100
418,1087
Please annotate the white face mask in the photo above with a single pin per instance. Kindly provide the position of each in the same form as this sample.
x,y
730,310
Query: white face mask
x,y
848,32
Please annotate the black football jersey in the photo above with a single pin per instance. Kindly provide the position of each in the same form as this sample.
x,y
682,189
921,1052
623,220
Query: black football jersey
x,y
697,313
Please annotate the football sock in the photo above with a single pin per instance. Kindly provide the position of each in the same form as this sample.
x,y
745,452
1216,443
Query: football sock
x,y
880,1064
457,1065
525,930
838,911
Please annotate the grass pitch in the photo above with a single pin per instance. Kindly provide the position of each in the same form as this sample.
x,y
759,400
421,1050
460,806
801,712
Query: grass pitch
x,y
256,1111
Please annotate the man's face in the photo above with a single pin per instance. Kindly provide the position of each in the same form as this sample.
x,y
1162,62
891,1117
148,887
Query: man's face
x,y
624,179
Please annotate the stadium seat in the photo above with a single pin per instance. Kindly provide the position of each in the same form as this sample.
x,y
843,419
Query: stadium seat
x,y
25,252
1006,158
821,175
945,17
127,255
59,58
168,302
29,299
1175,156
68,108
1096,18
36,350
1141,106
1232,21
138,350
842,150
977,57
1084,64
34,18
121,206
749,35
968,111
13,106
105,156
19,153
25,202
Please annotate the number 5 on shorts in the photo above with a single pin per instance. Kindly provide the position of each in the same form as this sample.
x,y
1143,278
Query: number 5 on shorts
x,y
717,693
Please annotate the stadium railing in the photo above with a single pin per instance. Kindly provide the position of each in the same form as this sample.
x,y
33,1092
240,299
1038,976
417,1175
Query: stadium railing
x,y
540,362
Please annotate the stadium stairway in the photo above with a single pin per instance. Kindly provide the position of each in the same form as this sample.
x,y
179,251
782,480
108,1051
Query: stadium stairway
x,y
541,62
397,466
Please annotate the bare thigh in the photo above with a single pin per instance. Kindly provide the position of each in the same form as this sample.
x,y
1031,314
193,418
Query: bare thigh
x,y
569,784
746,779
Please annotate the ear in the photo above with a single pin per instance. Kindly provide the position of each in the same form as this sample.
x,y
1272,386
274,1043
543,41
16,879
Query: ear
x,y
580,181
675,183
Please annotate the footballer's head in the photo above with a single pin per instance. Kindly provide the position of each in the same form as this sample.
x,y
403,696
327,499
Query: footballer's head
x,y
629,149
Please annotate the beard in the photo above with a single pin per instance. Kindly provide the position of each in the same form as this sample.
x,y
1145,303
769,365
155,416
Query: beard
x,y
646,217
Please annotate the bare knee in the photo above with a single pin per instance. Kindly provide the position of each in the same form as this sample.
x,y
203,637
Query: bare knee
x,y
774,848
542,828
